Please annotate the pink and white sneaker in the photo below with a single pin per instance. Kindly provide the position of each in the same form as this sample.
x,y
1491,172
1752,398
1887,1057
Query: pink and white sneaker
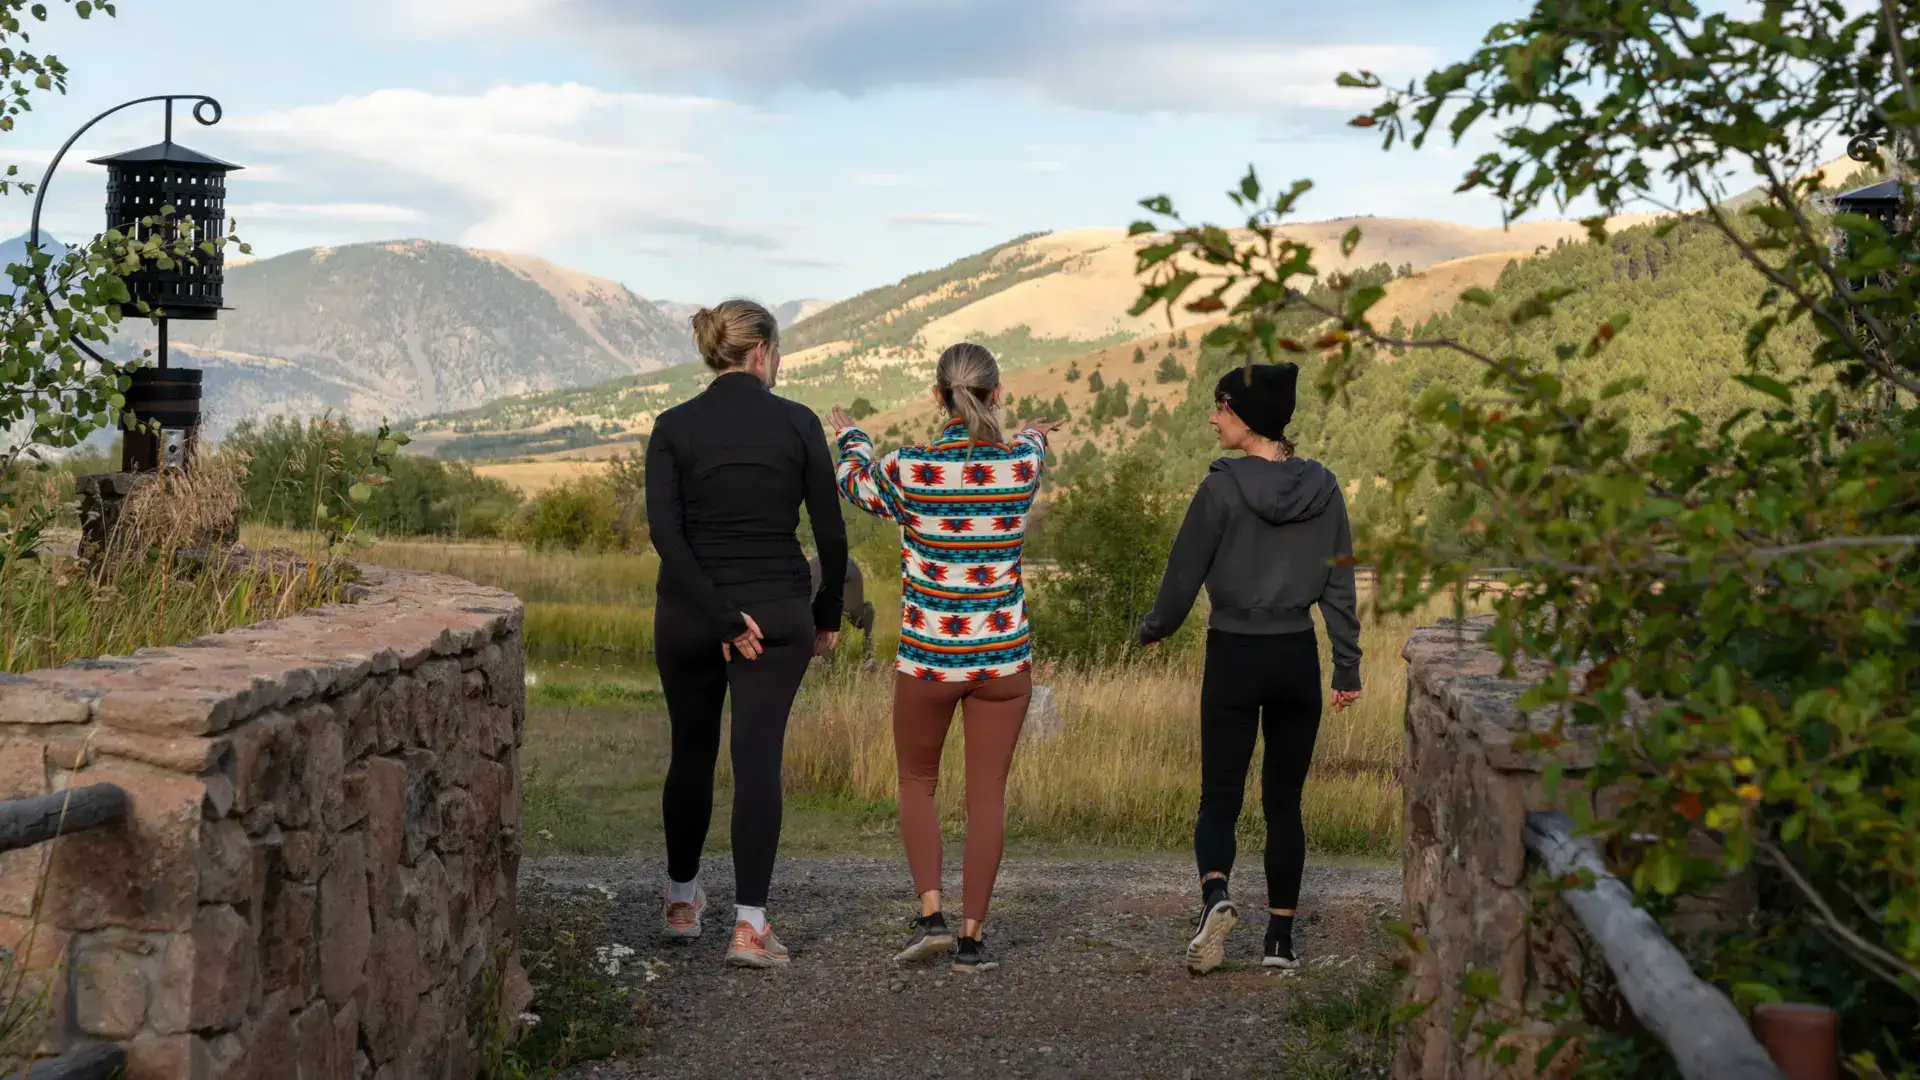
x,y
683,917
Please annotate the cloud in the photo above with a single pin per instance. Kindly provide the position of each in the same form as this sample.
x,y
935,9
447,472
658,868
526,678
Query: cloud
x,y
1229,56
527,166
801,262
354,213
938,218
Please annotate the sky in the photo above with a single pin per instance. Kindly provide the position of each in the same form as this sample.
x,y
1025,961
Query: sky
x,y
780,149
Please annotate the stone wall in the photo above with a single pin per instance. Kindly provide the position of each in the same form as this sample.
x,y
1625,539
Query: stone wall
x,y
1468,789
318,871
1470,782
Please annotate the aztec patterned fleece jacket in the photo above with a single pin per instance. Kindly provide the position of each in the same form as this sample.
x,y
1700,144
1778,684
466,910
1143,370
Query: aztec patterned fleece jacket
x,y
962,509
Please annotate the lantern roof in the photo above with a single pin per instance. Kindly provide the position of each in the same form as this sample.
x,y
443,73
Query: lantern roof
x,y
1886,192
169,152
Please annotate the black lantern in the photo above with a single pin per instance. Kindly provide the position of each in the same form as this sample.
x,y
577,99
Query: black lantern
x,y
144,184
165,192
161,192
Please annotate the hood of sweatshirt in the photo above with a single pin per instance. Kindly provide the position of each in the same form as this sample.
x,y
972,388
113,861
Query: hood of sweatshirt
x,y
1281,492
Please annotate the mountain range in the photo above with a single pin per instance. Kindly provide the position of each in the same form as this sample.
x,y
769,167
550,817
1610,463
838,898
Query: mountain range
x,y
412,327
1039,301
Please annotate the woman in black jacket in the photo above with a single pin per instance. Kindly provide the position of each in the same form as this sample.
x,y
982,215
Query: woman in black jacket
x,y
1267,534
726,474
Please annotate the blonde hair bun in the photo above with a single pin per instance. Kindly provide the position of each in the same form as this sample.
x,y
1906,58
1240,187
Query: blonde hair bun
x,y
727,333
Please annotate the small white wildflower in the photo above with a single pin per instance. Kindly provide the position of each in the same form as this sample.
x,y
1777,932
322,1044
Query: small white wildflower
x,y
532,679
609,957
602,890
544,834
529,1019
654,969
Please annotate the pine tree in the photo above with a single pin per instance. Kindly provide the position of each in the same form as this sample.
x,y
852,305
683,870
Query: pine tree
x,y
1138,417
1170,371
861,408
1095,383
1139,355
1073,372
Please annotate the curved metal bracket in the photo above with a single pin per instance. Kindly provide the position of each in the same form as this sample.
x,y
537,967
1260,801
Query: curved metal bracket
x,y
201,102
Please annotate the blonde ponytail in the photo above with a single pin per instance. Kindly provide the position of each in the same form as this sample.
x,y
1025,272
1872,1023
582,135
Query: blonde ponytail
x,y
967,376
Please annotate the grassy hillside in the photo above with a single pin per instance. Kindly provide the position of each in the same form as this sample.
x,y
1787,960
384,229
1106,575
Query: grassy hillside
x,y
1041,301
1683,301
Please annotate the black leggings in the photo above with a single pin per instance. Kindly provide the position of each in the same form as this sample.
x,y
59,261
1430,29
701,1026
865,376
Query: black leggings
x,y
696,679
1250,680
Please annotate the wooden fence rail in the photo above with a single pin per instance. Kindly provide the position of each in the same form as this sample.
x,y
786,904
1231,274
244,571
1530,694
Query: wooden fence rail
x,y
25,822
103,1061
1691,1018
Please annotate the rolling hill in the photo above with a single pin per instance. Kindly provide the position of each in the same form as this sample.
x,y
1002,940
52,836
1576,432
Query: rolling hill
x,y
412,327
1040,301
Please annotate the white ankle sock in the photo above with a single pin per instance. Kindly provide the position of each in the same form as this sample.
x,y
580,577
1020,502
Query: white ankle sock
x,y
755,917
682,892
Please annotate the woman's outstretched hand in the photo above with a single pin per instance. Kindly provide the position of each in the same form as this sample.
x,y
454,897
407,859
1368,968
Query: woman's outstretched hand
x,y
1046,427
1344,698
840,419
748,644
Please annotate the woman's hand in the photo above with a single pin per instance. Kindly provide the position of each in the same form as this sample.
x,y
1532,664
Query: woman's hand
x,y
824,641
840,419
1343,698
749,644
1046,427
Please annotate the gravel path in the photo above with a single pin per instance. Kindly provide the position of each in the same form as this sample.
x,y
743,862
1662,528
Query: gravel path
x,y
1092,982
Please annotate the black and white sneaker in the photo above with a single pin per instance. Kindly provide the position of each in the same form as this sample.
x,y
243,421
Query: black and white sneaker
x,y
1278,950
972,956
1208,949
930,938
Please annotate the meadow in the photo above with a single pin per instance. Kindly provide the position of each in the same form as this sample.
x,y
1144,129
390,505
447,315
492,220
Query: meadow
x,y
1122,772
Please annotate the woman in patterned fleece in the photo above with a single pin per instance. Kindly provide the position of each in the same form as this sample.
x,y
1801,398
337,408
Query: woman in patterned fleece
x,y
961,503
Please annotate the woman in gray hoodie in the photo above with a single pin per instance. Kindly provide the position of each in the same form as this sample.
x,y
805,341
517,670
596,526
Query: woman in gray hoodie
x,y
1267,535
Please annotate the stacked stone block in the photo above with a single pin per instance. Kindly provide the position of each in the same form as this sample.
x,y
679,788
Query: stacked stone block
x,y
1473,774
318,870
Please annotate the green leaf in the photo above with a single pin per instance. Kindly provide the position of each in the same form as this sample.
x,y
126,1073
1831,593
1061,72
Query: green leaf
x,y
83,8
1773,388
360,492
1350,241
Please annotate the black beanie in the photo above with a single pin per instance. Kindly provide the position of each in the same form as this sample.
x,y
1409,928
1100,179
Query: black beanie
x,y
1266,403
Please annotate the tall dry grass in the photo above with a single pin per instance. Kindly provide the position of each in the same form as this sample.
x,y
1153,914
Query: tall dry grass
x,y
166,576
575,601
1126,766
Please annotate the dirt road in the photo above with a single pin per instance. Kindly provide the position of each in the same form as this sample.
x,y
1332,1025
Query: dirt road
x,y
1092,982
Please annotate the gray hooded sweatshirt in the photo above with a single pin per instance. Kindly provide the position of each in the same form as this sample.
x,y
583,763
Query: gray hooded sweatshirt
x,y
1269,539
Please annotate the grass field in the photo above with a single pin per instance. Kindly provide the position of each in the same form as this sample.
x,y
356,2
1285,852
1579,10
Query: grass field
x,y
1123,772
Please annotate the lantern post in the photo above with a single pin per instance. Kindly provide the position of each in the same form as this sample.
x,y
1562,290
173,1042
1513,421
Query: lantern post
x,y
162,193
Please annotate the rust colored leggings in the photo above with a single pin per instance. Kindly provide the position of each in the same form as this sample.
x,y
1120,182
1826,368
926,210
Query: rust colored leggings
x,y
993,711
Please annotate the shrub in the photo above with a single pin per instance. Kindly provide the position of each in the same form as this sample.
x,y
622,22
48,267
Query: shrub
x,y
1110,533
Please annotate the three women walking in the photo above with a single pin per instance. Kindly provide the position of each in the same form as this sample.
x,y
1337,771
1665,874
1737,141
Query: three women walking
x,y
727,473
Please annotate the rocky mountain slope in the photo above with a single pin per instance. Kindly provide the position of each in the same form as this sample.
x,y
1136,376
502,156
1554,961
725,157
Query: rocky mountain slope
x,y
409,328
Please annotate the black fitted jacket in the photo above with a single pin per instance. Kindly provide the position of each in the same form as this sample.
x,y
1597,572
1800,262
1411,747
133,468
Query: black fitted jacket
x,y
726,474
